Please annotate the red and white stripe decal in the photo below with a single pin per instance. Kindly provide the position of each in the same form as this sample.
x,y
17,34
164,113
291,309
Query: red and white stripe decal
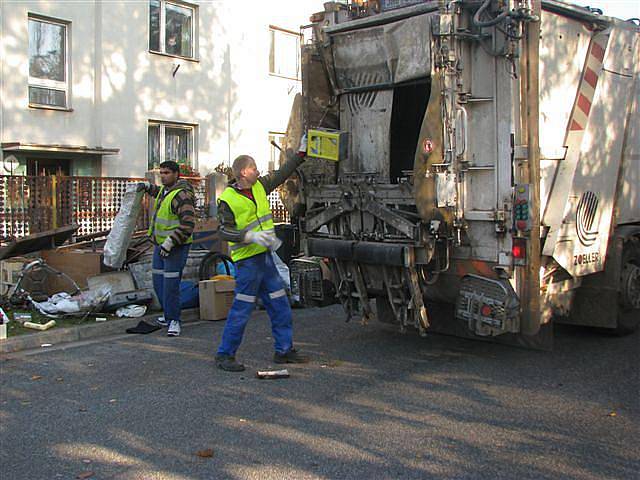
x,y
588,83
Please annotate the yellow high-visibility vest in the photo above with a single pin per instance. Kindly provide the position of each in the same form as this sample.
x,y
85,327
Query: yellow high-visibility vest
x,y
249,216
165,221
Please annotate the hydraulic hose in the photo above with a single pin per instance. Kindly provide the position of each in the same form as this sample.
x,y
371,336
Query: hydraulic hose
x,y
489,23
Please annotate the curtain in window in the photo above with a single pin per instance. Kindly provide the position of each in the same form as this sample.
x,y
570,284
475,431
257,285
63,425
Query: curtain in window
x,y
154,146
177,145
47,96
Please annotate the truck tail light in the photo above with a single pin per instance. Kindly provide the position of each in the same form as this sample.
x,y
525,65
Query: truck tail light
x,y
519,248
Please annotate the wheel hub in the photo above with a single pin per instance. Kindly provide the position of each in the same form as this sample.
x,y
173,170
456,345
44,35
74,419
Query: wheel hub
x,y
631,286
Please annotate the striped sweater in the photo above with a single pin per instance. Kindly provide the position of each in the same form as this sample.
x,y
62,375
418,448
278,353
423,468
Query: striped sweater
x,y
183,205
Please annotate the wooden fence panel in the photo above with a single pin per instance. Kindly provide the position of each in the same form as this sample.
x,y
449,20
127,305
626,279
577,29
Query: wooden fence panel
x,y
30,204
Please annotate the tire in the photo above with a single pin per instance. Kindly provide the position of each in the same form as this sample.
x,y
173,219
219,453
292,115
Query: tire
x,y
209,262
629,292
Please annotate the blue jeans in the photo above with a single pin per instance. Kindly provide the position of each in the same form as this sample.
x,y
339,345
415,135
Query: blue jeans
x,y
258,276
167,273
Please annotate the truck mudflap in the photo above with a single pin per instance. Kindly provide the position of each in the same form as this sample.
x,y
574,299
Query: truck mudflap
x,y
489,307
442,314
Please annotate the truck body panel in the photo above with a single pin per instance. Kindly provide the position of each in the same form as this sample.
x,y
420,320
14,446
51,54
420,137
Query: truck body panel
x,y
436,201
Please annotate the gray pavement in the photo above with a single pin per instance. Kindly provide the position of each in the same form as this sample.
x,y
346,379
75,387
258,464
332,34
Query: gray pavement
x,y
373,404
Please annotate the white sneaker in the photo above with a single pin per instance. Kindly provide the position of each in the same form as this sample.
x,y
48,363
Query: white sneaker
x,y
174,329
161,322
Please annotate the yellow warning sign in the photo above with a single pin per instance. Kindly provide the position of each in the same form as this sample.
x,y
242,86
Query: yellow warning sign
x,y
327,144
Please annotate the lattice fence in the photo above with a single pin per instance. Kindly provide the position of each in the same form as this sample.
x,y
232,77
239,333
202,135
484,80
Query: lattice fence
x,y
280,213
35,204
93,202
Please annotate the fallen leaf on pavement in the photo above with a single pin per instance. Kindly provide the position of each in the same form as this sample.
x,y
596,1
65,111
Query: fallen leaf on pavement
x,y
36,377
613,414
208,453
85,475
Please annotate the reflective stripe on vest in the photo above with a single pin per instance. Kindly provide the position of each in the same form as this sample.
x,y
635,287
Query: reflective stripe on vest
x,y
249,216
164,221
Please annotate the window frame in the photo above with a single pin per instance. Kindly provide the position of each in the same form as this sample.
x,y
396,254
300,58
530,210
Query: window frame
x,y
163,124
273,31
163,30
274,154
65,85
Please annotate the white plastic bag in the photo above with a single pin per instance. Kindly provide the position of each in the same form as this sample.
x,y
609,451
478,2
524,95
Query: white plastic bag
x,y
283,270
62,303
131,311
94,298
57,304
115,250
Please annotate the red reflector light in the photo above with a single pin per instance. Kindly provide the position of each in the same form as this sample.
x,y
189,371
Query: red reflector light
x,y
485,311
519,248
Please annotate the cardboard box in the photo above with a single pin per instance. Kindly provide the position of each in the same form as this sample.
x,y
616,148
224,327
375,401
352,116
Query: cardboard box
x,y
78,264
216,297
205,234
10,271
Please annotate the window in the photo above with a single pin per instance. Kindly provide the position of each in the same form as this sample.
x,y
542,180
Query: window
x,y
172,28
284,53
170,142
274,156
48,63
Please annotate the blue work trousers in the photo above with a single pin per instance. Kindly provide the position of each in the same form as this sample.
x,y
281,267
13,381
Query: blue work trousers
x,y
258,276
167,273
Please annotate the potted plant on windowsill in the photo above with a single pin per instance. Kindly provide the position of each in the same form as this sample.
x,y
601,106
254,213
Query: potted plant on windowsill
x,y
188,172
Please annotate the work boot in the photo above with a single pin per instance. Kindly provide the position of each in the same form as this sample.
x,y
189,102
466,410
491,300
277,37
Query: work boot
x,y
228,363
174,329
292,356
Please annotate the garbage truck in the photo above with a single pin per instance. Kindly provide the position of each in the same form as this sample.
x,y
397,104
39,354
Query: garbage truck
x,y
474,166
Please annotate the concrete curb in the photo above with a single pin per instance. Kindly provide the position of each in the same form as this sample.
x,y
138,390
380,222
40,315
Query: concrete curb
x,y
81,332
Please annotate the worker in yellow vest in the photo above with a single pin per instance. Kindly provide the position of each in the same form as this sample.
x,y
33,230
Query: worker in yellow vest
x,y
247,224
170,229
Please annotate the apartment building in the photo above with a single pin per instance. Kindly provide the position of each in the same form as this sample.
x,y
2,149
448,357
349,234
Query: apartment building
x,y
113,88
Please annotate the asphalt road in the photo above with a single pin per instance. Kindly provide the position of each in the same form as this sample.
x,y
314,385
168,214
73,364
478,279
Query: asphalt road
x,y
373,404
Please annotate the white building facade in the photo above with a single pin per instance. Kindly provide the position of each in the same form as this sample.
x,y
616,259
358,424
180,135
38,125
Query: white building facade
x,y
113,88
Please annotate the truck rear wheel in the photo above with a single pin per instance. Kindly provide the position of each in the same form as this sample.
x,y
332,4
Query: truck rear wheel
x,y
629,294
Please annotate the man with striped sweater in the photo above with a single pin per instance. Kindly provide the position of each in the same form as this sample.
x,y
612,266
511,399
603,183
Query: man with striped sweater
x,y
171,228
